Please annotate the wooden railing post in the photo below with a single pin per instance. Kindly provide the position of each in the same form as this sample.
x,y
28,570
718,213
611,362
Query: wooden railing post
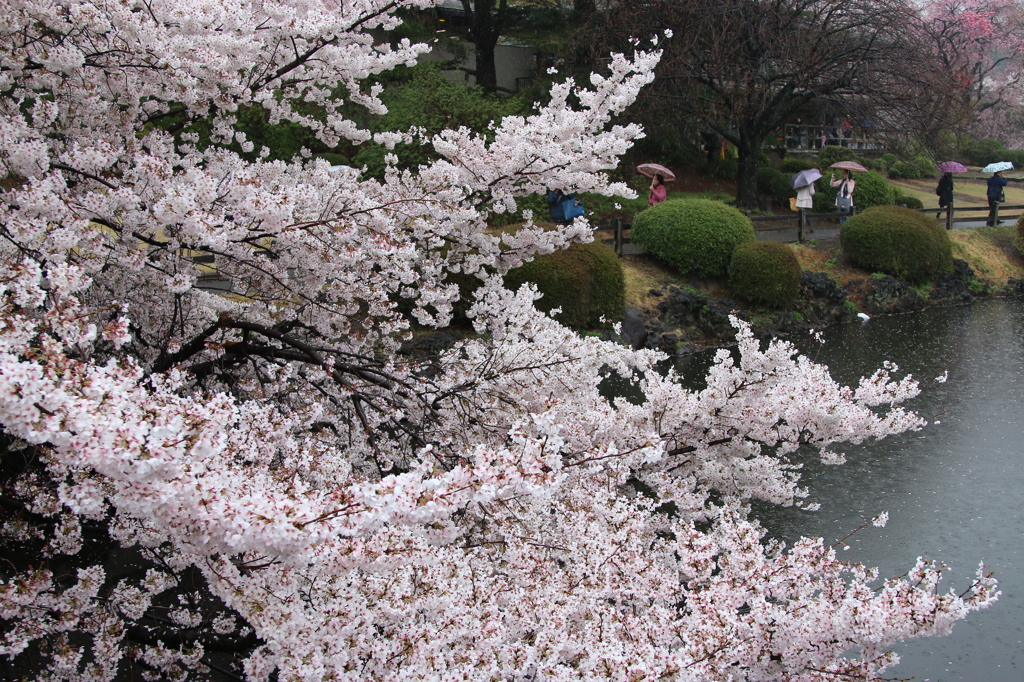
x,y
949,215
618,236
995,214
800,224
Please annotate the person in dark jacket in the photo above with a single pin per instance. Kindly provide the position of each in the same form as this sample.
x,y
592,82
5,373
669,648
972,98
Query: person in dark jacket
x,y
945,192
995,193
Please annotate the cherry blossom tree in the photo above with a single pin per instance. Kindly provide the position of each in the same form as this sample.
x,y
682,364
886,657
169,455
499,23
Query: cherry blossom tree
x,y
974,79
258,484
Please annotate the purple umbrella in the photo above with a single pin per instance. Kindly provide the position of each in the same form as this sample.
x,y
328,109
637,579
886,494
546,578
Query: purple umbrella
x,y
805,177
952,167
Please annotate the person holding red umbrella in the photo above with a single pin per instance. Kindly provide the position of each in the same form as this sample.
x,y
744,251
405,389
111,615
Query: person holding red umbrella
x,y
658,192
659,175
844,197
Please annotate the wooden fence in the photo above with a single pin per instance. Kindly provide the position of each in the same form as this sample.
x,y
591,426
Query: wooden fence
x,y
799,227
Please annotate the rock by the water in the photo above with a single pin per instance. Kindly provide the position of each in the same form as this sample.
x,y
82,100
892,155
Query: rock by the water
x,y
885,295
958,286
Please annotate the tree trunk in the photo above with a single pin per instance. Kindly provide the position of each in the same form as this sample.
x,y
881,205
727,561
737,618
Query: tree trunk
x,y
486,73
485,28
747,194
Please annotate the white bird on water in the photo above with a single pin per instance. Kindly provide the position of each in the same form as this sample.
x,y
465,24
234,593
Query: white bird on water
x,y
863,317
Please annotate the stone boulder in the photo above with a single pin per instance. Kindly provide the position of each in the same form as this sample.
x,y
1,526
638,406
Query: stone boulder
x,y
821,302
959,286
885,295
698,315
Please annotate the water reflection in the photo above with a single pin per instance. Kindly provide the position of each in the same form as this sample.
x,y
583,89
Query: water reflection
x,y
953,490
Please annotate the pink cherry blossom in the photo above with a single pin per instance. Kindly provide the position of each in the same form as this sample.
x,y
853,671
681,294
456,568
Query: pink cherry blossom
x,y
300,486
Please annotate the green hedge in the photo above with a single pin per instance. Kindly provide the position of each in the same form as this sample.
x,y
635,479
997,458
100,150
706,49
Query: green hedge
x,y
926,168
693,235
585,281
982,152
898,241
872,190
775,184
876,165
1018,240
909,202
726,169
794,165
903,169
765,272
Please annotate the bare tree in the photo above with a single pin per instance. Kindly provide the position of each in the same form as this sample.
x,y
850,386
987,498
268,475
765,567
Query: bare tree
x,y
742,68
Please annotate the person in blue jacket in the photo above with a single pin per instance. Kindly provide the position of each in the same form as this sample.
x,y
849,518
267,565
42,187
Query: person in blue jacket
x,y
995,194
564,207
555,198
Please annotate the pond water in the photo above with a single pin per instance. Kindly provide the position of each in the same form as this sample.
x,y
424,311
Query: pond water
x,y
954,491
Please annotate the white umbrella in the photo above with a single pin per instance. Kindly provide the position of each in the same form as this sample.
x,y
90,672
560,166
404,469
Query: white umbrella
x,y
997,167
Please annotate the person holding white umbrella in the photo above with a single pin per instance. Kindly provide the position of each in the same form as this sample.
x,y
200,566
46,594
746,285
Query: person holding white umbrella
x,y
995,192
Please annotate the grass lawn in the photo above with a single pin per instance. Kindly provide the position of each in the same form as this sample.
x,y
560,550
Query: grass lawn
x,y
965,193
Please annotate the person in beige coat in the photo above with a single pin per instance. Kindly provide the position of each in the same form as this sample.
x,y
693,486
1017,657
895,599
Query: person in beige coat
x,y
805,200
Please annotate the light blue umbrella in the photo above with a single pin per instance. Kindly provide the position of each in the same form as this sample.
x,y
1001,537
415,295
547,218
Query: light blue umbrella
x,y
997,167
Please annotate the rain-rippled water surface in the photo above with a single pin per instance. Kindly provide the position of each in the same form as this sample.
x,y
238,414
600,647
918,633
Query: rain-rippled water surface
x,y
954,491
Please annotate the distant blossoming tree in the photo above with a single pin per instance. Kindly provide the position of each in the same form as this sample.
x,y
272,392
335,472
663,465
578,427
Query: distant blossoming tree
x,y
976,51
260,485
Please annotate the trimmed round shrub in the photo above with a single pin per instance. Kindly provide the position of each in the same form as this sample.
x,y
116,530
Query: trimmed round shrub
x,y
898,241
585,281
909,202
1018,239
765,272
903,169
694,236
926,168
831,154
889,159
775,184
872,190
795,165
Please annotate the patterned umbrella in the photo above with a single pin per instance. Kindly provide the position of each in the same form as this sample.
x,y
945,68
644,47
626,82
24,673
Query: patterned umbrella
x,y
850,166
997,167
652,169
952,167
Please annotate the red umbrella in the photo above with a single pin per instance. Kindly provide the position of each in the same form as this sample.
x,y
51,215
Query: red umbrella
x,y
850,166
652,169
